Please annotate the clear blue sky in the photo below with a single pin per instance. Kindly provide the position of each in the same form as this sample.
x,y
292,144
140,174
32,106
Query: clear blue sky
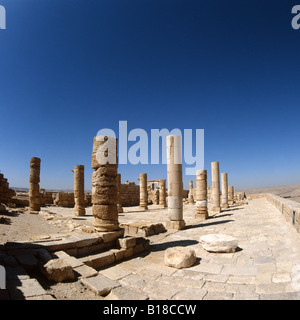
x,y
71,67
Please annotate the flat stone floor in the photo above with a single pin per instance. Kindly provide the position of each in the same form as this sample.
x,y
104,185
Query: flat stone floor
x,y
265,266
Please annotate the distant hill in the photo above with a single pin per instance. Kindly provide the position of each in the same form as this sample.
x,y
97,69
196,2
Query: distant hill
x,y
290,192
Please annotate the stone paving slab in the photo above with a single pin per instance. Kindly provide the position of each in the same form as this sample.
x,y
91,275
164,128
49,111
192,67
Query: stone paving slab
x,y
261,268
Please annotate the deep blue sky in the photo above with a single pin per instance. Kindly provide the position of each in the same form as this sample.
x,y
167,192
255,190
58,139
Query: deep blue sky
x,y
71,67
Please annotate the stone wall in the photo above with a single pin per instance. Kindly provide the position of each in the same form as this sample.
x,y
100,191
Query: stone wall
x,y
130,194
66,199
5,192
288,208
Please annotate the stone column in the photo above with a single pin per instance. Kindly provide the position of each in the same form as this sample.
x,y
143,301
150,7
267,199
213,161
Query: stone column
x,y
215,174
143,191
34,187
79,190
156,196
191,197
175,185
162,193
119,186
104,184
224,180
201,194
230,195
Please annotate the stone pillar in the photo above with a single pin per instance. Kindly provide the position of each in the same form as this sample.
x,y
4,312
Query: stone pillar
x,y
162,193
156,196
34,187
191,197
201,194
175,185
79,190
104,184
215,174
224,180
119,186
143,191
230,195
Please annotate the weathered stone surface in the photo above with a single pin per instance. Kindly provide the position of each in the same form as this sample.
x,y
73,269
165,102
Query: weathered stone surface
x,y
85,271
175,225
219,243
58,270
125,293
100,284
127,242
22,289
180,257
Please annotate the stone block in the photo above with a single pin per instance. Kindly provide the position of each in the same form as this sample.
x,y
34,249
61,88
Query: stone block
x,y
180,257
99,260
218,243
125,293
127,242
100,284
58,270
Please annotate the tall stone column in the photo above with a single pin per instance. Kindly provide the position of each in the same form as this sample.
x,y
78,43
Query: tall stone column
x,y
143,191
230,195
156,196
34,187
162,192
119,186
201,194
224,181
79,190
215,174
104,184
191,197
175,185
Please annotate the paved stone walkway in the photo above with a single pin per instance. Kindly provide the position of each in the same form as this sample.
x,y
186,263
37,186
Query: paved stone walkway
x,y
265,266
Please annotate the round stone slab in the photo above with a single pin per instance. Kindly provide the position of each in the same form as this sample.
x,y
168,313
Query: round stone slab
x,y
180,257
218,243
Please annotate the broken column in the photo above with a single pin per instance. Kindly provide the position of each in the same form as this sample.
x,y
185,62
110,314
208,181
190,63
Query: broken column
x,y
34,187
119,187
224,181
79,190
175,185
215,174
104,184
143,191
190,196
162,192
201,195
230,195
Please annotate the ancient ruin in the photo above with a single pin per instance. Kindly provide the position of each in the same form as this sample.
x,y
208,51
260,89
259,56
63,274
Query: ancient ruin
x,y
224,181
34,187
215,193
230,195
162,193
104,184
175,186
79,208
143,191
119,187
201,195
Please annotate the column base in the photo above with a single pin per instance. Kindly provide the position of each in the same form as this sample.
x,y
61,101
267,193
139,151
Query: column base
x,y
216,209
201,216
105,225
175,225
80,212
230,202
143,208
225,206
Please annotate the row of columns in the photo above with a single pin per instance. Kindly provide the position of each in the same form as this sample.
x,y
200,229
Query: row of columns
x,y
106,187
